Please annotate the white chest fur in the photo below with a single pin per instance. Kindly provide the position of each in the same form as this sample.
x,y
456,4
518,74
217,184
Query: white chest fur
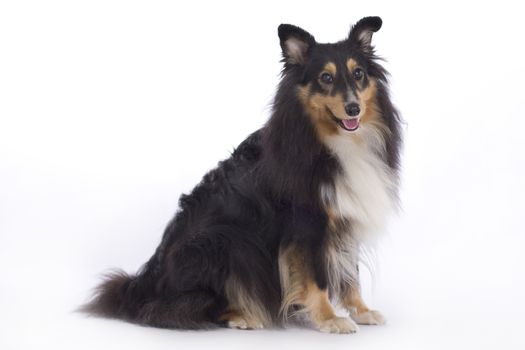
x,y
364,194
365,191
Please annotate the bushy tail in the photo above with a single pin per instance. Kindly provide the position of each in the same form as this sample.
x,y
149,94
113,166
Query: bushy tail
x,y
109,296
130,298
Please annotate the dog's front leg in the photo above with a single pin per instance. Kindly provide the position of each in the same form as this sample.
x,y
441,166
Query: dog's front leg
x,y
300,288
360,313
317,303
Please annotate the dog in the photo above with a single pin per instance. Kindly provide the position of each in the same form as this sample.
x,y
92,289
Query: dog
x,y
279,228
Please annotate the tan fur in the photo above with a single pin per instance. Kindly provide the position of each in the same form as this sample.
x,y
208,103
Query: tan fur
x,y
300,289
293,278
368,102
316,107
235,319
354,303
317,303
330,68
369,109
242,305
229,315
352,300
351,64
333,219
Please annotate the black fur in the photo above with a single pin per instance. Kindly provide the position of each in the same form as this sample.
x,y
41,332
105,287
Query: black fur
x,y
264,197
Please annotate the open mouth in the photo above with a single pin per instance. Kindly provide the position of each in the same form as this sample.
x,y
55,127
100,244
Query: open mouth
x,y
349,124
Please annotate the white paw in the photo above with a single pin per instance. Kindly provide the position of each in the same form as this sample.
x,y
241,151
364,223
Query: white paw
x,y
242,323
340,325
370,317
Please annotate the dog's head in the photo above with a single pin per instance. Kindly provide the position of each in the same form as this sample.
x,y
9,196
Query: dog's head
x,y
336,83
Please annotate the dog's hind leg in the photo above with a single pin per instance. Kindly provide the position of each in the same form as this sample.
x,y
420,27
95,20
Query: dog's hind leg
x,y
189,310
239,320
245,311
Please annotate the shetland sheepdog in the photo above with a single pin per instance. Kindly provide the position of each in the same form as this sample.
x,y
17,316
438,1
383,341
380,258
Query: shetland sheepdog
x,y
279,228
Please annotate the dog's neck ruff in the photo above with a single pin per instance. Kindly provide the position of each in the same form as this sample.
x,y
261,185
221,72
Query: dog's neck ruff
x,y
360,200
364,191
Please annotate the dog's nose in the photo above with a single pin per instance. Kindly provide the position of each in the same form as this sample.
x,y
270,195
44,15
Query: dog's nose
x,y
352,109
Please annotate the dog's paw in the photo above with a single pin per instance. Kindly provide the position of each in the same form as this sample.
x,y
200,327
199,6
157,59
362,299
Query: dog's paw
x,y
240,322
370,317
340,325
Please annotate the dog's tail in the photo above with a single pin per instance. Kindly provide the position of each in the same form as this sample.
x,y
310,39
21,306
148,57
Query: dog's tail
x,y
110,296
130,298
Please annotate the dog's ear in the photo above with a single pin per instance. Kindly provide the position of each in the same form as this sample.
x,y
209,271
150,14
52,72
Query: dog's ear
x,y
362,32
296,43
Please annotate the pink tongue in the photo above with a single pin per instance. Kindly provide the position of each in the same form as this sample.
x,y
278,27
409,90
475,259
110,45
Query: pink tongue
x,y
351,124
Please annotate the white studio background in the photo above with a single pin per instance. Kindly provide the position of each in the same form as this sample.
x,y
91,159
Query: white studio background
x,y
109,110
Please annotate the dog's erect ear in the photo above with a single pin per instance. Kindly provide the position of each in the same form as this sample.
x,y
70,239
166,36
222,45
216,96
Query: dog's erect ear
x,y
362,31
295,43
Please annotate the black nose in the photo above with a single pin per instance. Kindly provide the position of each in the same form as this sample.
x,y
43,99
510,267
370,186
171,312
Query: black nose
x,y
352,109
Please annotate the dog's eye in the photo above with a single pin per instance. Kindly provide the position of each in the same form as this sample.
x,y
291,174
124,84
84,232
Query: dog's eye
x,y
358,74
327,78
